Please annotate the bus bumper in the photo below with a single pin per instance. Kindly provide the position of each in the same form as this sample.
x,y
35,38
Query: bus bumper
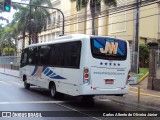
x,y
88,90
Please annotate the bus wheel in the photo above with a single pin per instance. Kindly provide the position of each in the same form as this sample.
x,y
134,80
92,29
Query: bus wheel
x,y
53,91
26,85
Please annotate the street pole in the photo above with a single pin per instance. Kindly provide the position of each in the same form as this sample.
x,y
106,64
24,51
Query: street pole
x,y
30,22
135,63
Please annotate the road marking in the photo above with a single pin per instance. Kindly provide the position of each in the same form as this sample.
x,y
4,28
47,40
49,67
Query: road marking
x,y
11,83
31,102
104,100
146,94
2,82
16,83
79,111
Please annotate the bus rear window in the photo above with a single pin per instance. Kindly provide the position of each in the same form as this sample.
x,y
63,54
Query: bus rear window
x,y
108,48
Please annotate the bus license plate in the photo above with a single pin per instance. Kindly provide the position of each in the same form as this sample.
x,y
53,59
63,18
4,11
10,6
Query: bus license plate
x,y
109,81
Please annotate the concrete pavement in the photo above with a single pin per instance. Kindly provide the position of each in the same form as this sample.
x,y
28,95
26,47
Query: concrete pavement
x,y
149,98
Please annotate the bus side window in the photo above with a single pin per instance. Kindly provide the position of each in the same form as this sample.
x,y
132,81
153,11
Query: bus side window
x,y
30,56
57,55
24,58
76,52
44,55
33,56
72,54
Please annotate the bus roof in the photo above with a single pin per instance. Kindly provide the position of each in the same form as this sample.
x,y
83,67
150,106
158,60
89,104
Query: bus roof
x,y
60,39
67,38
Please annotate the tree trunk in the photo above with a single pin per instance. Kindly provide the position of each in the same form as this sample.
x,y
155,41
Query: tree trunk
x,y
9,45
1,49
35,37
23,46
15,53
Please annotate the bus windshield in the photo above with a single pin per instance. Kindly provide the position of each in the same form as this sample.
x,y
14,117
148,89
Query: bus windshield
x,y
108,48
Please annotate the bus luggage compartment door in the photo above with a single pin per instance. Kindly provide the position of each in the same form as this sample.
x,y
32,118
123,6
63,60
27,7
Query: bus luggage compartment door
x,y
108,78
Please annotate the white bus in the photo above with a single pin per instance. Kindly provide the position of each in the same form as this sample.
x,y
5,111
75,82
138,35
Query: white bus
x,y
78,65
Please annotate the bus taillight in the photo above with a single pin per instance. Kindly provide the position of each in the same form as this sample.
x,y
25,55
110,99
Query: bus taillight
x,y
86,76
128,77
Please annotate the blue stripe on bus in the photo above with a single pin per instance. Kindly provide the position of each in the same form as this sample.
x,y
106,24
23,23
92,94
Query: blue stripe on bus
x,y
52,75
35,70
120,52
46,71
49,73
97,45
57,77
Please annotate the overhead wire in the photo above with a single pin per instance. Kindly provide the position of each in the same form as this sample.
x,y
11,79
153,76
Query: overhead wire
x,y
112,13
81,18
89,19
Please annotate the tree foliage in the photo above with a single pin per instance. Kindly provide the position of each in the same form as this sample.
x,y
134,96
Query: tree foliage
x,y
5,51
38,15
95,8
143,55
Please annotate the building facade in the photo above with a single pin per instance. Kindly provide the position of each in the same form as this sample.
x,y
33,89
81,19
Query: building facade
x,y
118,22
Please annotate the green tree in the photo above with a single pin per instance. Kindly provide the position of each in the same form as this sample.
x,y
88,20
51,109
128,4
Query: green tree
x,y
7,36
143,55
95,8
5,51
39,17
14,34
1,40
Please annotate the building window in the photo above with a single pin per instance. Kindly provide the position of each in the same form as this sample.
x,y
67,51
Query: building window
x,y
50,37
58,22
45,38
54,22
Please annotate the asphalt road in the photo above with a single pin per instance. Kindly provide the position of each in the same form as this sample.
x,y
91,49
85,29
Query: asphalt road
x,y
15,98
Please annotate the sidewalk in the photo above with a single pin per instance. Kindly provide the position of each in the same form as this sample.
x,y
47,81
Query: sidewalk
x,y
148,98
10,72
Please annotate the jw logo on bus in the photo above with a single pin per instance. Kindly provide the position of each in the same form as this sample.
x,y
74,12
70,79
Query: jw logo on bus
x,y
110,48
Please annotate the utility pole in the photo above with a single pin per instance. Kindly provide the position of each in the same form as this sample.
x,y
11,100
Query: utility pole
x,y
135,62
29,22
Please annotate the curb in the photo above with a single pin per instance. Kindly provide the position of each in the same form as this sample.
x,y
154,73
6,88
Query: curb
x,y
146,75
136,104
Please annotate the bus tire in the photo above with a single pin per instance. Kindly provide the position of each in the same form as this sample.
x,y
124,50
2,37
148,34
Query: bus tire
x,y
53,91
26,85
